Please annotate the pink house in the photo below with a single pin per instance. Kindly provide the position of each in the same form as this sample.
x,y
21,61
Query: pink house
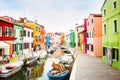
x,y
94,35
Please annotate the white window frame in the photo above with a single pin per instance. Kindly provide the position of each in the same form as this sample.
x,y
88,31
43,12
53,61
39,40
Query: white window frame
x,y
0,31
114,26
104,25
113,5
12,32
104,12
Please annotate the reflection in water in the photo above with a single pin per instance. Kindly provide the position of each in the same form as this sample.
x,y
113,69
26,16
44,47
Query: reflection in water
x,y
36,72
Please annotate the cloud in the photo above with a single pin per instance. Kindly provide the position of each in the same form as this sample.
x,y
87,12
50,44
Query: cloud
x,y
55,15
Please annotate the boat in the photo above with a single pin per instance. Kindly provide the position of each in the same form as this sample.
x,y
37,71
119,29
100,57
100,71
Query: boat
x,y
31,60
10,68
58,76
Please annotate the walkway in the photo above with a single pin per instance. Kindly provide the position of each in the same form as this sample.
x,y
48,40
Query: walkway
x,y
87,67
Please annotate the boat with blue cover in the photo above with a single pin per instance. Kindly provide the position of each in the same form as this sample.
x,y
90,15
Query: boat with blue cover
x,y
58,76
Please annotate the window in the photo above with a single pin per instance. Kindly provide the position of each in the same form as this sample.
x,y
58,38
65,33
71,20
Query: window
x,y
91,47
28,34
11,31
20,46
0,31
115,26
104,51
6,31
87,35
92,21
115,54
88,23
15,47
87,46
104,13
24,33
26,45
21,33
32,34
104,31
114,5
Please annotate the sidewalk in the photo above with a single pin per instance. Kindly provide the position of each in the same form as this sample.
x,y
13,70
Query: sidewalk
x,y
87,67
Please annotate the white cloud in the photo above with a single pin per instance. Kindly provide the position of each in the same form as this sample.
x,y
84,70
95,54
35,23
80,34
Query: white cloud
x,y
55,15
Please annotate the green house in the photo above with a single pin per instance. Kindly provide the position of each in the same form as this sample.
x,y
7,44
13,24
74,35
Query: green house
x,y
111,33
18,39
72,39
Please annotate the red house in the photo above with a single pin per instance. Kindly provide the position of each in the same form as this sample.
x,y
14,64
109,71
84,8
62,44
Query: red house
x,y
42,39
6,33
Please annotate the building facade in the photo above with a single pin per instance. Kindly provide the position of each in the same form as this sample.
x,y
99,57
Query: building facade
x,y
94,35
110,34
18,41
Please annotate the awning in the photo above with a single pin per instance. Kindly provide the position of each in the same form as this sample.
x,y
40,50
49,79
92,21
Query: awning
x,y
5,46
9,42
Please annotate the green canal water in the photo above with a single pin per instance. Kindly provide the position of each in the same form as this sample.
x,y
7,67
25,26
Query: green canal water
x,y
35,72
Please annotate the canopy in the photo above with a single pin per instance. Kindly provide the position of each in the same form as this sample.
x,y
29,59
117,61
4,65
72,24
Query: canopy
x,y
5,46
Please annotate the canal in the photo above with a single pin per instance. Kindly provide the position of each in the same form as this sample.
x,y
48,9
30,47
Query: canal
x,y
35,72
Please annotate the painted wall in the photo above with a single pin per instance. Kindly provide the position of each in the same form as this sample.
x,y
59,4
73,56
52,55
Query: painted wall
x,y
94,30
18,29
29,40
111,39
9,38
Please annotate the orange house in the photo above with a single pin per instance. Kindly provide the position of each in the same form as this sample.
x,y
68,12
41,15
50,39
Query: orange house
x,y
94,35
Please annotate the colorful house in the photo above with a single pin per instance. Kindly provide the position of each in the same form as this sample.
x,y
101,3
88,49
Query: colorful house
x,y
72,39
27,40
6,35
18,35
110,34
42,37
84,37
94,35
80,30
36,31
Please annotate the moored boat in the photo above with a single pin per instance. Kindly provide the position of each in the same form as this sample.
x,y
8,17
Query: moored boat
x,y
10,68
58,76
31,60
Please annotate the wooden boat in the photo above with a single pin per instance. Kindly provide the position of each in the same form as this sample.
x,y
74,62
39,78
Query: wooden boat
x,y
31,60
58,76
10,69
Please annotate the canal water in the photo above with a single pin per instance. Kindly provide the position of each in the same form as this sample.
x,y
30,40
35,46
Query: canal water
x,y
35,72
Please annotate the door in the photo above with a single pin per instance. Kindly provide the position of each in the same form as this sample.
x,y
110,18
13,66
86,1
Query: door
x,y
109,56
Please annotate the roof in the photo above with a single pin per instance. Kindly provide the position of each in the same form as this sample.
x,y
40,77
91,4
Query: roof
x,y
96,15
5,20
103,4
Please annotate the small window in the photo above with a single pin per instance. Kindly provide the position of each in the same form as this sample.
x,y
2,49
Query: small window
x,y
91,47
114,5
88,23
0,31
28,34
104,29
92,21
115,54
11,31
24,33
104,51
115,26
21,33
20,46
104,13
32,34
6,31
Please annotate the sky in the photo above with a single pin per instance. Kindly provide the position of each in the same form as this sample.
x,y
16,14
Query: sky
x,y
54,15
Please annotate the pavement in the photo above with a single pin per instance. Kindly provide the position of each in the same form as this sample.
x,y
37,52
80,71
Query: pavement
x,y
87,67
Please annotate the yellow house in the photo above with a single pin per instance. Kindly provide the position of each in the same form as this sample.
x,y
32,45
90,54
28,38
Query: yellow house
x,y
36,33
